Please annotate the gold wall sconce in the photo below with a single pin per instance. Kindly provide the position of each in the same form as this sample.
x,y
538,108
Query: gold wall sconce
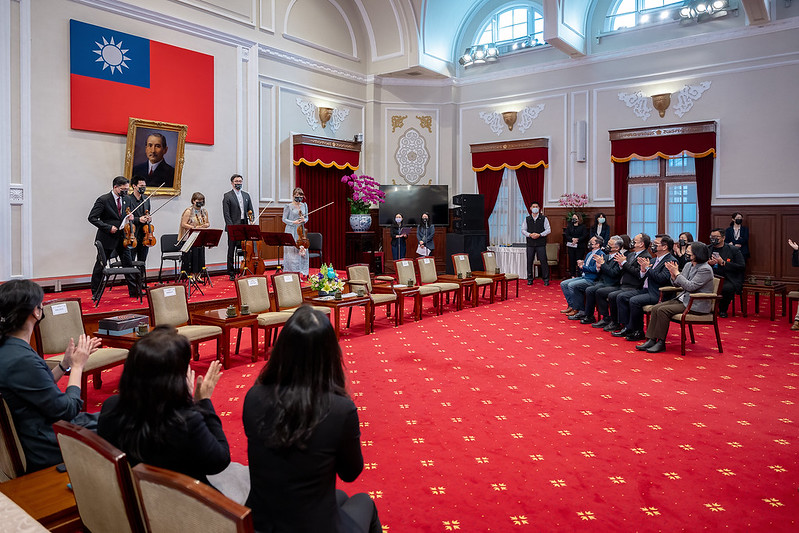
x,y
661,102
510,118
324,115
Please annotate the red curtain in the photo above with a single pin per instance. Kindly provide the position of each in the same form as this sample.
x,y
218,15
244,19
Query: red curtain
x,y
488,184
531,184
704,194
337,158
621,172
322,185
500,159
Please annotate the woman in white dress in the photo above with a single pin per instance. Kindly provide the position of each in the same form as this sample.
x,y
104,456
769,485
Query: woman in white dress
x,y
296,213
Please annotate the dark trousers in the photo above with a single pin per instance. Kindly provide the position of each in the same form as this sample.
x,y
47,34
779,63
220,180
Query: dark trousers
x,y
631,308
591,299
124,257
728,292
359,512
610,307
194,260
661,317
140,254
539,252
232,246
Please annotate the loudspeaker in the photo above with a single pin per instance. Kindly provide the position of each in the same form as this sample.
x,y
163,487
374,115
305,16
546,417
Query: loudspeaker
x,y
581,133
468,217
473,244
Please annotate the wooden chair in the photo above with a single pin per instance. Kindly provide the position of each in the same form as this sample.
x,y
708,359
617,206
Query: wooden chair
x,y
429,278
461,265
406,272
176,502
490,265
553,249
667,292
169,307
12,456
253,292
692,319
793,298
101,481
64,321
359,275
288,292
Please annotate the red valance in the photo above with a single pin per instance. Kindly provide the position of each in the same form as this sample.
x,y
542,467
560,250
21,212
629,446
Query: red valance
x,y
513,159
325,156
665,146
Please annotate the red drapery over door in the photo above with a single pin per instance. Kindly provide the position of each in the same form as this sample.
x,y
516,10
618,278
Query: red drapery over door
x,y
488,184
327,157
531,184
514,159
322,185
696,140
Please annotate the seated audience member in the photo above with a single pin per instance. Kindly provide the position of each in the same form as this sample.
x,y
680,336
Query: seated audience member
x,y
727,262
738,235
588,271
302,430
681,248
697,276
609,276
630,281
655,275
795,262
155,420
28,385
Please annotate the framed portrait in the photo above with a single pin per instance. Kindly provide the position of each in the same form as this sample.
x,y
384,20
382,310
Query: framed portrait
x,y
155,152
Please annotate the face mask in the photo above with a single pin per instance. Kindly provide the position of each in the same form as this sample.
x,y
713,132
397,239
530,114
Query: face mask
x,y
654,248
425,221
237,186
298,199
607,250
535,210
601,220
399,220
683,242
123,192
199,204
739,221
142,189
715,241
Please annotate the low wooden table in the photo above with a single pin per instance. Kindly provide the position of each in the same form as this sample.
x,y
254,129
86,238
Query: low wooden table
x,y
218,317
119,341
495,278
771,290
408,291
45,496
337,305
466,284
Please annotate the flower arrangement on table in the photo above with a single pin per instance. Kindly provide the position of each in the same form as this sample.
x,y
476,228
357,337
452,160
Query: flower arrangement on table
x,y
365,192
326,280
574,202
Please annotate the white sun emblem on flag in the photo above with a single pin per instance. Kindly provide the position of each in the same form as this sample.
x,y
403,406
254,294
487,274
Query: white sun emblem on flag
x,y
111,55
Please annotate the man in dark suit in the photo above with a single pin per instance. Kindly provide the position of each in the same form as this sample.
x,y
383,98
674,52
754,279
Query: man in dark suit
x,y
156,171
655,275
606,297
235,206
108,214
728,262
609,276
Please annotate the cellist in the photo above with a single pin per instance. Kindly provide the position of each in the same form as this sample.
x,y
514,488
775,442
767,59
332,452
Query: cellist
x,y
139,186
295,214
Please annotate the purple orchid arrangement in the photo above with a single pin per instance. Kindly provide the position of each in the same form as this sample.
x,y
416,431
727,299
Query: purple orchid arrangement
x,y
365,192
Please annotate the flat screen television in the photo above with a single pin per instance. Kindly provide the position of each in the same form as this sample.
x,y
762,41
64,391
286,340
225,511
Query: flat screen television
x,y
412,201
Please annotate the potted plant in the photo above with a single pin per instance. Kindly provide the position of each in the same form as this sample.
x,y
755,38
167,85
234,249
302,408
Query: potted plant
x,y
326,281
365,192
574,202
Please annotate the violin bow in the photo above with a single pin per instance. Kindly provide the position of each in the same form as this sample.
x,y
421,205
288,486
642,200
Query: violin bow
x,y
148,197
162,205
320,208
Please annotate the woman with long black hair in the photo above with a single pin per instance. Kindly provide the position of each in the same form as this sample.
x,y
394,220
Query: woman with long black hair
x,y
302,430
163,416
28,385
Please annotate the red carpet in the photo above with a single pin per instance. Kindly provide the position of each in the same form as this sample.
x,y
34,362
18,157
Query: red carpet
x,y
511,418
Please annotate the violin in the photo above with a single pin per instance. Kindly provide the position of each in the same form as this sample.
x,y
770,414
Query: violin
x,y
149,232
302,236
252,256
130,233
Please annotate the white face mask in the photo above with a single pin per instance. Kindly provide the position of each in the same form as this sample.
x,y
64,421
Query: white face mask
x,y
601,220
399,220
535,210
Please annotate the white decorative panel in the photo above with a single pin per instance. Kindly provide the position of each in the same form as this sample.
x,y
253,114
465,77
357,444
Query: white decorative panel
x,y
639,103
688,95
412,156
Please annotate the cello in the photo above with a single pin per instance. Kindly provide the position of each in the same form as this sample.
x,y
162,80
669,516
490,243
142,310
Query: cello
x,y
252,256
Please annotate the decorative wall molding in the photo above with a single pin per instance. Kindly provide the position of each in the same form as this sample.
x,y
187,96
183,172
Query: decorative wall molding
x,y
303,62
541,142
426,122
16,194
412,156
528,115
310,111
663,131
313,140
337,118
639,103
397,122
688,95
494,121
220,11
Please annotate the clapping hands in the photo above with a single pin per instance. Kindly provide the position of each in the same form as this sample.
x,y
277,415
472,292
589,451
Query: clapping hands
x,y
203,387
793,244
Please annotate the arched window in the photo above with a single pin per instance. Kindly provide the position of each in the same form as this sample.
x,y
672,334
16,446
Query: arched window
x,y
513,25
631,13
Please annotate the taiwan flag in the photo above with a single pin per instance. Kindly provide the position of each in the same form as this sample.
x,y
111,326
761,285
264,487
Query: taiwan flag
x,y
115,75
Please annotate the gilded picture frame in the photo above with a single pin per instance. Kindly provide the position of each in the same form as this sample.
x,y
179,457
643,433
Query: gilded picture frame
x,y
155,152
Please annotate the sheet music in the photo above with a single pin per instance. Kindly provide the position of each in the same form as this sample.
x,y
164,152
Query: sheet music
x,y
189,241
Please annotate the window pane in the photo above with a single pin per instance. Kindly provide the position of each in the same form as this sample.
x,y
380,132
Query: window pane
x,y
681,208
639,168
682,166
643,208
488,34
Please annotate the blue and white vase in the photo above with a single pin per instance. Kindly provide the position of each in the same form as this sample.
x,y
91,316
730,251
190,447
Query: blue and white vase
x,y
360,222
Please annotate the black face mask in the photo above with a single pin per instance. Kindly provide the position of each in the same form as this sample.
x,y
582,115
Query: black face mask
x,y
714,241
575,221
606,249
298,199
123,192
654,248
683,242
426,222
142,189
199,204
739,221
237,186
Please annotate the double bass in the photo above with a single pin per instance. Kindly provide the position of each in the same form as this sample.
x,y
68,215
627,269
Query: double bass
x,y
252,256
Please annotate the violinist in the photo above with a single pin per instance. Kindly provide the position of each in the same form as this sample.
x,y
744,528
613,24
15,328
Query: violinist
x,y
141,217
235,205
108,215
295,258
194,216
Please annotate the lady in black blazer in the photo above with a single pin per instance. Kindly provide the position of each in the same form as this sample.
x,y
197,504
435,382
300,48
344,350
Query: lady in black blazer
x,y
738,235
600,228
576,240
397,238
302,431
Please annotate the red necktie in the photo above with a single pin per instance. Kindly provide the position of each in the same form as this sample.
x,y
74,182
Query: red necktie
x,y
119,206
151,172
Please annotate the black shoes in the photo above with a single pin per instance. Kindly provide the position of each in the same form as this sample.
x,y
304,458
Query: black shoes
x,y
231,277
658,347
529,282
546,283
645,346
588,320
623,332
723,314
635,336
613,326
577,316
601,324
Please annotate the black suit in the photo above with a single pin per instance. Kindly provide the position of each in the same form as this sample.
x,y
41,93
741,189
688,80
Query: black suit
x,y
630,281
163,173
631,304
233,215
105,215
732,272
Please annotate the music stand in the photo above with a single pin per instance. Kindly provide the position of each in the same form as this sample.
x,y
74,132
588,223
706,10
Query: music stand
x,y
244,232
206,238
277,239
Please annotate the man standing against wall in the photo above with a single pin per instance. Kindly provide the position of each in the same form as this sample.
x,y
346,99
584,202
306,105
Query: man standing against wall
x,y
536,228
235,206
